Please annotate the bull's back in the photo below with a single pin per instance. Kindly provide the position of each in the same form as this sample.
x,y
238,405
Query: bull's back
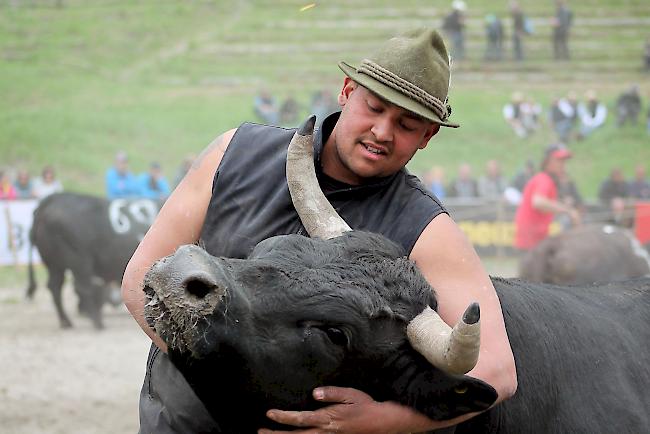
x,y
581,354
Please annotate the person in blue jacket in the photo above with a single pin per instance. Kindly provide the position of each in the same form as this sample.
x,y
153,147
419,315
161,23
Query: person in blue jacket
x,y
153,184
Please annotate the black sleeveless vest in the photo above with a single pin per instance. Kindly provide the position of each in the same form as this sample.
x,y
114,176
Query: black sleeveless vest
x,y
250,198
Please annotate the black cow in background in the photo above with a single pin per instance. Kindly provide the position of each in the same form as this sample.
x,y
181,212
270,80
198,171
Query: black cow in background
x,y
586,254
92,237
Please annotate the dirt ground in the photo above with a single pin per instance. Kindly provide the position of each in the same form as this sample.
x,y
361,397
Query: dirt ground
x,y
55,381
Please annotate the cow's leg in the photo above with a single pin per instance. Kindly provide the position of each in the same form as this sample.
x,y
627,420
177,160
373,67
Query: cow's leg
x,y
55,284
91,295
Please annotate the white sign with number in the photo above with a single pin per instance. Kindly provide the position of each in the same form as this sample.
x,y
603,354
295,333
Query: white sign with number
x,y
15,223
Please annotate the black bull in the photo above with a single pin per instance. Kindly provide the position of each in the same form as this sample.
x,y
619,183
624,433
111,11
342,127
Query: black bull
x,y
586,254
341,308
92,237
299,313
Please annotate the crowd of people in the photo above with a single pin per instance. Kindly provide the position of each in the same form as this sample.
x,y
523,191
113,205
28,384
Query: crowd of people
x,y
24,186
572,118
454,26
270,111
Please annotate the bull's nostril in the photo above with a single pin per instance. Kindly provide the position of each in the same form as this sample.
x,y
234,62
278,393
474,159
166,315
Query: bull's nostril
x,y
198,288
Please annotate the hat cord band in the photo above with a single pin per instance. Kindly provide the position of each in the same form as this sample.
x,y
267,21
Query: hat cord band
x,y
390,79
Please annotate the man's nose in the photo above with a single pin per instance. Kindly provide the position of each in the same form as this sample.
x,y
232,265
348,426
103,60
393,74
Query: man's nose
x,y
383,129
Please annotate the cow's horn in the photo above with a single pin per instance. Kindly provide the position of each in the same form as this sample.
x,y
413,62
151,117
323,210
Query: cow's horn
x,y
316,213
452,350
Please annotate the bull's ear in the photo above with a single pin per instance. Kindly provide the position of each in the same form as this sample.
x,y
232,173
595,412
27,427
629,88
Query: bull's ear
x,y
441,396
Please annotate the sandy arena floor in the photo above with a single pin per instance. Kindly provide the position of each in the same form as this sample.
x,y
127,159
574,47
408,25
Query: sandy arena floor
x,y
55,381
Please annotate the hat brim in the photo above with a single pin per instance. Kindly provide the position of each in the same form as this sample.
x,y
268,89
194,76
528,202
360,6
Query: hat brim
x,y
393,96
561,154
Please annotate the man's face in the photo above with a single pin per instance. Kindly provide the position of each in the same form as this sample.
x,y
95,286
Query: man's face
x,y
372,138
555,166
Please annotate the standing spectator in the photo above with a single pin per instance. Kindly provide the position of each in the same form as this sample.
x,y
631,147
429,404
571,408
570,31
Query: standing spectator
x,y
563,116
615,186
435,180
628,106
153,184
639,187
646,56
491,185
464,186
493,37
561,24
266,108
323,104
7,190
23,185
540,201
592,114
289,111
514,191
120,182
454,26
47,183
519,30
184,168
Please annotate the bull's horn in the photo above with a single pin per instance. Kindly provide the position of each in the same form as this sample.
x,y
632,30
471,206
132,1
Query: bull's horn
x,y
454,351
316,213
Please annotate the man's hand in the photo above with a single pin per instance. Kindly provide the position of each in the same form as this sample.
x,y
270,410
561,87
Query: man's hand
x,y
352,411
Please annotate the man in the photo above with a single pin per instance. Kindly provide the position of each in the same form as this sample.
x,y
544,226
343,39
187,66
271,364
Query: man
x,y
561,24
628,106
592,114
540,202
120,182
454,25
390,109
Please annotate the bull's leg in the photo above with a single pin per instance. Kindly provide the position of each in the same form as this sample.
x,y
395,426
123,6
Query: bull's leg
x,y
91,296
55,284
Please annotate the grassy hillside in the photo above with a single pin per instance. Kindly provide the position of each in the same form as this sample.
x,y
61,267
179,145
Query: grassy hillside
x,y
160,78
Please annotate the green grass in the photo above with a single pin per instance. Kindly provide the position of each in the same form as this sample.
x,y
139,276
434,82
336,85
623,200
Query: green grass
x,y
161,78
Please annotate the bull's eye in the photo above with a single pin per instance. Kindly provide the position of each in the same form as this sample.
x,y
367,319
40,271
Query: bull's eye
x,y
337,336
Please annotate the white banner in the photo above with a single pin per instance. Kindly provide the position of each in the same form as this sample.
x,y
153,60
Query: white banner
x,y
15,223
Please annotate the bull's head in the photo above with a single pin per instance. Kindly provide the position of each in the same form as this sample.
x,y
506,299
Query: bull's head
x,y
334,309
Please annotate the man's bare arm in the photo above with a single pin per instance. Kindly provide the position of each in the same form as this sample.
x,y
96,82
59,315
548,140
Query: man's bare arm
x,y
178,222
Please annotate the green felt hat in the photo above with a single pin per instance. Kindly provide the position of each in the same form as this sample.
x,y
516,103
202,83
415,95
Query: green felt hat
x,y
411,71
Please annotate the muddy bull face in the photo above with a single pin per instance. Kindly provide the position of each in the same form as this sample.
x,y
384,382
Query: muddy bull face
x,y
301,313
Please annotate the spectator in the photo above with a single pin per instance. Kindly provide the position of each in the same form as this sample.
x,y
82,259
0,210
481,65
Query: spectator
x,y
613,187
435,180
323,104
266,108
120,182
47,183
454,26
514,191
540,202
184,168
592,114
289,111
639,187
561,24
153,184
464,186
628,106
519,30
563,116
522,115
491,185
493,37
646,56
7,190
23,185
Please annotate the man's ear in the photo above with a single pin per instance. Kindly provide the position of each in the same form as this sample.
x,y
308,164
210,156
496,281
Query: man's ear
x,y
348,86
431,131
